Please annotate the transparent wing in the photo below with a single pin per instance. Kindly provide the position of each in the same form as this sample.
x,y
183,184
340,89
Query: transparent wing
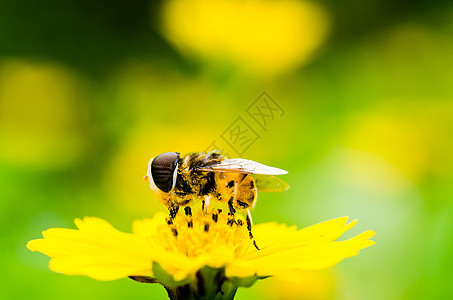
x,y
266,183
240,165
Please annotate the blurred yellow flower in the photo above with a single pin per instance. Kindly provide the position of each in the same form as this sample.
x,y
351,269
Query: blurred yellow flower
x,y
258,36
40,114
179,253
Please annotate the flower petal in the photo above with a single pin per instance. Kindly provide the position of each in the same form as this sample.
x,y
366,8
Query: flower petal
x,y
283,249
110,268
147,226
96,249
311,257
273,237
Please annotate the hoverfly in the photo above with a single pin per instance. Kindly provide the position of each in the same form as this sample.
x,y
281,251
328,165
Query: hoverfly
x,y
177,180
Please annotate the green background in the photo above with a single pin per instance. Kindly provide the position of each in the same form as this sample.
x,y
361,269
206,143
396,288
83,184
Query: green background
x,y
91,90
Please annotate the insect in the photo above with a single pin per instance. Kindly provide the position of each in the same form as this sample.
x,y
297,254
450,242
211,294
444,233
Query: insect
x,y
177,180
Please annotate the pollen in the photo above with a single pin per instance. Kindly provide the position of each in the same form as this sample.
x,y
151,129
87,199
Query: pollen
x,y
203,233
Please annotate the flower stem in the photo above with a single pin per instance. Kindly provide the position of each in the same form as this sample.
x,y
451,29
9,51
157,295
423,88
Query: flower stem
x,y
208,284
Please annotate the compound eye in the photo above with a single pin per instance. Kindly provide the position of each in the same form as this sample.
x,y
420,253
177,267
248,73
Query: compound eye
x,y
164,170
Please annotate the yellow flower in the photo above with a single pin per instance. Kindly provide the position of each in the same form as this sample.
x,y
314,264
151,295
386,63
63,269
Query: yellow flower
x,y
196,249
265,38
44,117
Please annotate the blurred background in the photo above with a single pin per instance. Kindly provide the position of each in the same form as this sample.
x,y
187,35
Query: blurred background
x,y
358,107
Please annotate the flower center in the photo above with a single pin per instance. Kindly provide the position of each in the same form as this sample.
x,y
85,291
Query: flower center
x,y
203,233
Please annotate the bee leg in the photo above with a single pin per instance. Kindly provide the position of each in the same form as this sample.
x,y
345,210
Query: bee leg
x,y
205,203
188,211
232,199
232,211
207,200
215,214
249,227
173,209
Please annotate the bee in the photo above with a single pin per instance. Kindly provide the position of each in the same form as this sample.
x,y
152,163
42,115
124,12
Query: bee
x,y
177,180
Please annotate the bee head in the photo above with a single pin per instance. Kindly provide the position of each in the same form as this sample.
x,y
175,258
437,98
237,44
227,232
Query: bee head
x,y
162,171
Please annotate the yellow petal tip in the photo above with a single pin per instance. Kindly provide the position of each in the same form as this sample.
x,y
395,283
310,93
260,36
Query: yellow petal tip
x,y
352,223
30,246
